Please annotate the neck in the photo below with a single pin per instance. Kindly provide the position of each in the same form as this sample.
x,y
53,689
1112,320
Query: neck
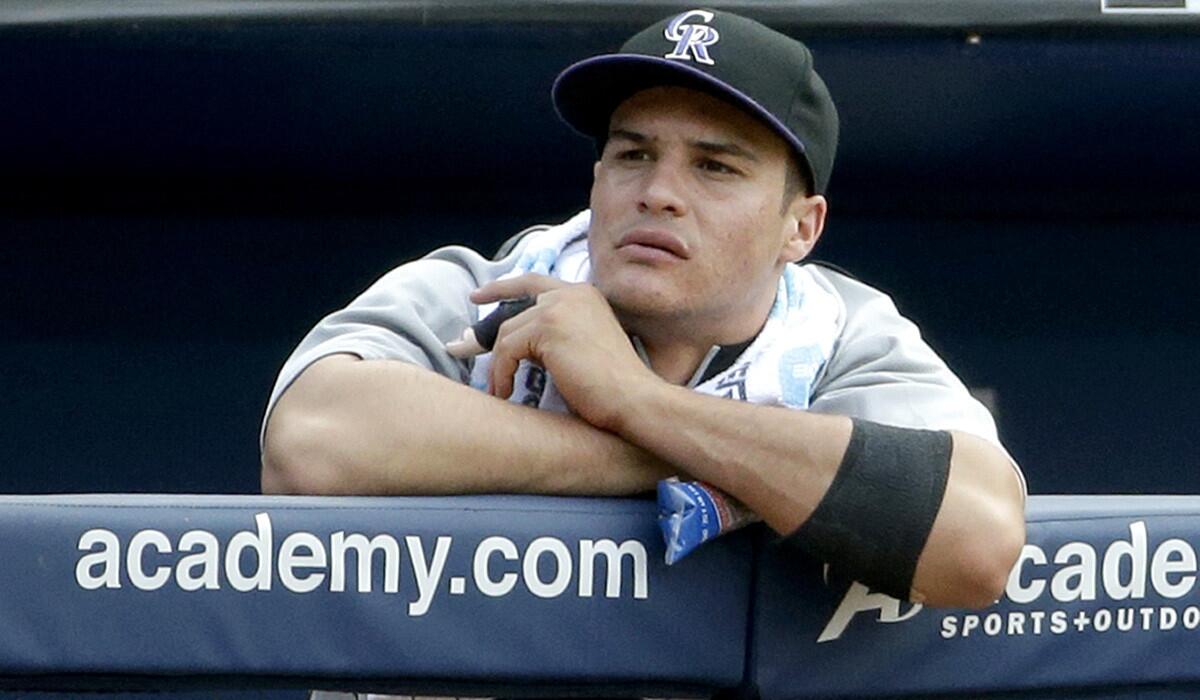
x,y
674,362
675,354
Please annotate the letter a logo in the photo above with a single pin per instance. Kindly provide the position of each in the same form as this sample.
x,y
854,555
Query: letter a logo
x,y
859,599
692,40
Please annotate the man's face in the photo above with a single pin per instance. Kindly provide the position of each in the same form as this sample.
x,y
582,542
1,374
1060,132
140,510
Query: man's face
x,y
689,228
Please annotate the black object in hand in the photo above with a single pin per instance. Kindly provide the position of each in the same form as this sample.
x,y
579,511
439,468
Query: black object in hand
x,y
488,327
481,336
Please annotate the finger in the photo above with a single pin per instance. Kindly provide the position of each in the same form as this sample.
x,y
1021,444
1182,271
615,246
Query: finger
x,y
526,285
511,347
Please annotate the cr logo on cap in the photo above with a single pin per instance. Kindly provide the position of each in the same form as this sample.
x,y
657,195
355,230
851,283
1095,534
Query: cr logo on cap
x,y
693,38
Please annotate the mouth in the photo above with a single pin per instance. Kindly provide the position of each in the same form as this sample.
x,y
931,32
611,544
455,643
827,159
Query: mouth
x,y
653,241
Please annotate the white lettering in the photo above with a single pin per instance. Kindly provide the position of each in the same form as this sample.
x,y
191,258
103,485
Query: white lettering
x,y
209,558
1191,617
1133,550
427,574
993,624
290,559
108,559
1125,619
613,556
1014,590
1016,623
248,561
364,553
260,544
858,599
1101,620
1165,564
483,553
1084,572
1122,570
970,622
562,577
1037,616
133,560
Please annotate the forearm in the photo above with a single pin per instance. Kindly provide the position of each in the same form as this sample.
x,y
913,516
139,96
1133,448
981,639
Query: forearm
x,y
777,461
354,427
781,462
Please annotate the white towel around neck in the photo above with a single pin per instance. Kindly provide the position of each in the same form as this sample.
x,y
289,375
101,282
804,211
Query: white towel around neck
x,y
780,367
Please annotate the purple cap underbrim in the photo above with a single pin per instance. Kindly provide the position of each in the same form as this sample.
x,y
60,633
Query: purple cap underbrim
x,y
586,93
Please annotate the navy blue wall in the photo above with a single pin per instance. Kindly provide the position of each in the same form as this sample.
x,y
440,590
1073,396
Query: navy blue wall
x,y
180,202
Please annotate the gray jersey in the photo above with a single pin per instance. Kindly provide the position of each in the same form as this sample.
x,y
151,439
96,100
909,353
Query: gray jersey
x,y
880,369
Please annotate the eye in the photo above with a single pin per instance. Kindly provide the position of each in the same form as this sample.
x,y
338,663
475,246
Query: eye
x,y
633,154
717,167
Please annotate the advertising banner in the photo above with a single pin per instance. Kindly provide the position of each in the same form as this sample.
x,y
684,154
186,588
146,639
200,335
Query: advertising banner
x,y
449,594
1104,593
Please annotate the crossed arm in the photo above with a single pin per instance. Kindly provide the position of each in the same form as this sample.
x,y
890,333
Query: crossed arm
x,y
348,426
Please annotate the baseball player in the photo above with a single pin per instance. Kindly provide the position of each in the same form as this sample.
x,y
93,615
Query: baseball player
x,y
675,329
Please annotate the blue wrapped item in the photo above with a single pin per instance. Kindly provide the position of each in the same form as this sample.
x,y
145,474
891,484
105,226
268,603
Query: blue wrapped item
x,y
691,513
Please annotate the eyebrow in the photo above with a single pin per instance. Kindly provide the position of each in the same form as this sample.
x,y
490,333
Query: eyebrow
x,y
716,147
627,135
731,149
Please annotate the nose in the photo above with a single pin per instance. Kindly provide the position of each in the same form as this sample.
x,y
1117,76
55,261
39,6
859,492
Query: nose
x,y
662,191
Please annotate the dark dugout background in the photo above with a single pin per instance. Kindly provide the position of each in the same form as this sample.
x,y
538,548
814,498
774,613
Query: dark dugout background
x,y
186,188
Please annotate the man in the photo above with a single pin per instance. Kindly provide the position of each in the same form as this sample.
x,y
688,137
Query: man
x,y
678,291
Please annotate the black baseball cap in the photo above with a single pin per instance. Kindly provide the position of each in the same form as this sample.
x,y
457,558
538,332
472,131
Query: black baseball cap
x,y
762,71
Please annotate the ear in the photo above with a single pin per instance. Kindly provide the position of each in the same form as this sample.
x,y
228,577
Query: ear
x,y
804,222
595,183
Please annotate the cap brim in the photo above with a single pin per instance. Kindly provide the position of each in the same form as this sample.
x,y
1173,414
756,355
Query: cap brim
x,y
586,93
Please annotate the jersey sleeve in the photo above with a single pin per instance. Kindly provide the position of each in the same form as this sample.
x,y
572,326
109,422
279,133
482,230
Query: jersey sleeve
x,y
882,370
407,316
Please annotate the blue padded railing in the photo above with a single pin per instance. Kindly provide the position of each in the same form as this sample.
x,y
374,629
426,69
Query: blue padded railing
x,y
510,595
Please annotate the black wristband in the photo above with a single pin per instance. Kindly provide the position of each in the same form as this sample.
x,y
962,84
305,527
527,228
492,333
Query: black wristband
x,y
876,516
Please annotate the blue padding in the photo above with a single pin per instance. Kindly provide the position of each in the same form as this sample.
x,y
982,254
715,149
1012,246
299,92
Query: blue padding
x,y
69,612
1120,607
1104,596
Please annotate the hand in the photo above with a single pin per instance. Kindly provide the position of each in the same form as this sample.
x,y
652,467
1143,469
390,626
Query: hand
x,y
572,333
